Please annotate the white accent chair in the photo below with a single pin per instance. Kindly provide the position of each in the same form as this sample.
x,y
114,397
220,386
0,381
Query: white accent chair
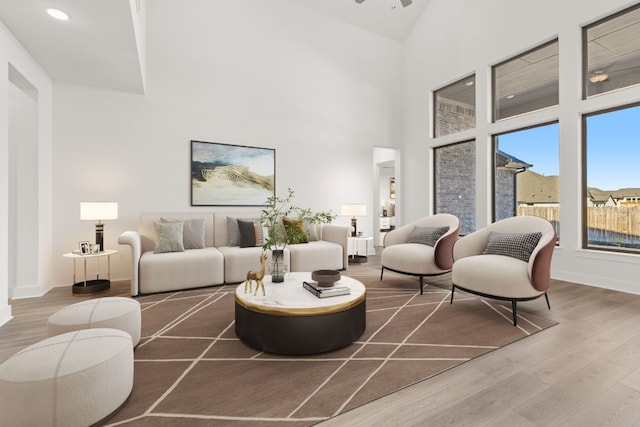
x,y
500,276
418,259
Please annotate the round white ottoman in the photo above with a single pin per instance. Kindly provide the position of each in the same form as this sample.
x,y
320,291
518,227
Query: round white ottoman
x,y
109,312
73,379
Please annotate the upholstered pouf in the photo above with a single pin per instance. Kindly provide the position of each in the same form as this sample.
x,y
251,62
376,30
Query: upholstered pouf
x,y
72,379
110,312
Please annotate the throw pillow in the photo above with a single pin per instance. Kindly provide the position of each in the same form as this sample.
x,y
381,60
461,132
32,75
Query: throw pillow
x,y
233,231
248,234
295,231
427,235
312,232
168,237
516,245
192,232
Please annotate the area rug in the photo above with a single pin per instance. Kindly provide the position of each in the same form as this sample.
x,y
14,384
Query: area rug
x,y
191,369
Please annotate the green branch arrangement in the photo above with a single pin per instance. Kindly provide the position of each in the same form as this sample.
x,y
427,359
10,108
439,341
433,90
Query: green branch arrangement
x,y
277,235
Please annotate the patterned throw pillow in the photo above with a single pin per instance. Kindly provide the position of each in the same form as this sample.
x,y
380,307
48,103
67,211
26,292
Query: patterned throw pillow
x,y
250,235
234,232
427,235
515,245
168,237
192,232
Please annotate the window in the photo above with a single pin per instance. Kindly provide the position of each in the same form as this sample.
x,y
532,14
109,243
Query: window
x,y
526,174
455,183
455,107
526,83
612,213
612,53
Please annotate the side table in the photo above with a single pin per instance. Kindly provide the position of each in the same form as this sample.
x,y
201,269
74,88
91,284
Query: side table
x,y
95,285
355,242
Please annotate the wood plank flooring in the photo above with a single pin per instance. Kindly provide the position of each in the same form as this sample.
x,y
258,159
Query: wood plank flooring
x,y
583,372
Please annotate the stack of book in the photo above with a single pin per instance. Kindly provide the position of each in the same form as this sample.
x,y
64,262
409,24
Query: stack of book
x,y
323,292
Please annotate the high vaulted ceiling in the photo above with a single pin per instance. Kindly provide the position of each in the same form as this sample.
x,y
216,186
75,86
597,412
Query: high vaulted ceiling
x,y
385,17
98,45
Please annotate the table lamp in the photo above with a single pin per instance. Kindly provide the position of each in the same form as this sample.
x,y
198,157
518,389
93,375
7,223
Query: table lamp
x,y
99,211
354,210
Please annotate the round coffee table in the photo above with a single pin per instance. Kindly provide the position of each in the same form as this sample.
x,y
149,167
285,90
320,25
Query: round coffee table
x,y
291,320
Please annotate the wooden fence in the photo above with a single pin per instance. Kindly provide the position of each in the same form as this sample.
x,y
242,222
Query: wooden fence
x,y
623,220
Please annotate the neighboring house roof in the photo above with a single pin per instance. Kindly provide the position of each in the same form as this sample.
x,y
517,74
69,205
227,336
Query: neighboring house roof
x,y
535,188
601,196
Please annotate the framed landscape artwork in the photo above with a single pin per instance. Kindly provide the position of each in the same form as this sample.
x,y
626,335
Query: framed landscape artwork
x,y
231,175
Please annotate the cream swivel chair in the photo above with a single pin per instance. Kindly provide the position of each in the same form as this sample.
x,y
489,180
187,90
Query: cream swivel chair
x,y
421,248
508,260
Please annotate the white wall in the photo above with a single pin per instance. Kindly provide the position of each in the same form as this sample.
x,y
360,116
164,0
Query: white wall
x,y
14,56
266,74
455,39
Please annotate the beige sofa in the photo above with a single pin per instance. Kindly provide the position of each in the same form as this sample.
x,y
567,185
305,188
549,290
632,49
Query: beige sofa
x,y
218,262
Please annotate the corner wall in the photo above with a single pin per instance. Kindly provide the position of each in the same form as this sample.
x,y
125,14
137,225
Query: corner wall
x,y
13,55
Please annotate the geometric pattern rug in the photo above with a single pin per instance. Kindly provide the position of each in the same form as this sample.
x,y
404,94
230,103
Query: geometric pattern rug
x,y
192,370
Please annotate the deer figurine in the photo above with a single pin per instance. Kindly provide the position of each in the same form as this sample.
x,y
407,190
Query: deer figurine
x,y
257,277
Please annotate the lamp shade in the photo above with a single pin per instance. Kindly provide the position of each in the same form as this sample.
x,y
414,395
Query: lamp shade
x,y
98,211
354,209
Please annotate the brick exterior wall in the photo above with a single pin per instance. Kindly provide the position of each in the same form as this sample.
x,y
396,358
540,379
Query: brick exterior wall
x,y
455,183
505,201
452,117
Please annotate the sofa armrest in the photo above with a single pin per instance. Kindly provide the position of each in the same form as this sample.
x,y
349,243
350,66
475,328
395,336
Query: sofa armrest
x,y
132,239
338,234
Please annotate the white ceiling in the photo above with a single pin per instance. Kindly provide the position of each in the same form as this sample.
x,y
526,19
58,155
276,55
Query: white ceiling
x,y
385,17
97,46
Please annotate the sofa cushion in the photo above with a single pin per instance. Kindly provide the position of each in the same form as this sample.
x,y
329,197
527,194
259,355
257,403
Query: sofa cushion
x,y
233,230
238,261
427,235
320,255
172,271
312,231
248,233
192,232
169,237
515,245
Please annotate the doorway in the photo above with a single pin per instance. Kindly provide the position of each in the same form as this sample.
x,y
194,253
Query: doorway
x,y
23,180
386,192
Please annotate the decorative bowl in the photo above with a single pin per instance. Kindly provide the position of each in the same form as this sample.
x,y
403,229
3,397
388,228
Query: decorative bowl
x,y
325,278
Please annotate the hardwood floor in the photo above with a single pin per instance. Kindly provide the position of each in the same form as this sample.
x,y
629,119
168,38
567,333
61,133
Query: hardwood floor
x,y
585,371
29,323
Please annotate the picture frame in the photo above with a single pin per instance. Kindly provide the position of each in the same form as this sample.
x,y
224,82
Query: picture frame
x,y
85,247
231,175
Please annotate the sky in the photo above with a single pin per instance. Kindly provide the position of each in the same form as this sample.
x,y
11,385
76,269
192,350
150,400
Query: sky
x,y
613,149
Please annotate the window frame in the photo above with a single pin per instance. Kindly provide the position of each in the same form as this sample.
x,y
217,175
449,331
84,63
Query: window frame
x,y
434,116
584,184
494,86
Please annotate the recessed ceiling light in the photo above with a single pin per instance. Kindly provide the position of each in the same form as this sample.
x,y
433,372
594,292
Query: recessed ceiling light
x,y
598,77
469,83
57,13
510,96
